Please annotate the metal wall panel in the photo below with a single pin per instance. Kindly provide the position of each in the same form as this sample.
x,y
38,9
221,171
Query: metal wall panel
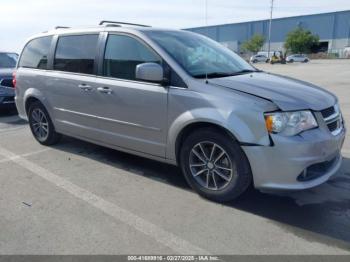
x,y
328,26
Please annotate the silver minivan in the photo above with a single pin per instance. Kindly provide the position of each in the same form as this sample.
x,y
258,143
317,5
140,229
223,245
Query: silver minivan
x,y
181,98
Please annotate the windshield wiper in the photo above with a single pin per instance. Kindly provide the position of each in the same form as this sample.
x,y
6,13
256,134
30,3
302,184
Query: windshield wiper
x,y
223,74
244,71
213,75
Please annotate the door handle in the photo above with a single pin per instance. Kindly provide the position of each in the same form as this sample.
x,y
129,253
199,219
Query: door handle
x,y
85,87
104,90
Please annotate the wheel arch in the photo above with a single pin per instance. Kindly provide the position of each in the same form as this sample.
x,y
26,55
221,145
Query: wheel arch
x,y
191,127
214,130
34,95
31,95
30,100
243,126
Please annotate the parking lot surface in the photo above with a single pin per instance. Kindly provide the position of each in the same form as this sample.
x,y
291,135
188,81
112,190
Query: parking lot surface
x,y
79,198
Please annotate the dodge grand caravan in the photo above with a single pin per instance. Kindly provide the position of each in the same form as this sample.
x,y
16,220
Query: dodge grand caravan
x,y
181,98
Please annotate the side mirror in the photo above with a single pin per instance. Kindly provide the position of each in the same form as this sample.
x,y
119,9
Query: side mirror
x,y
151,72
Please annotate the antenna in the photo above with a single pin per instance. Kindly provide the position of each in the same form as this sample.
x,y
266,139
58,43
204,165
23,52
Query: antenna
x,y
206,24
270,24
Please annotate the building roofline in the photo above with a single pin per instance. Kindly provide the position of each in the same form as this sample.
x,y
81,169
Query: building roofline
x,y
266,20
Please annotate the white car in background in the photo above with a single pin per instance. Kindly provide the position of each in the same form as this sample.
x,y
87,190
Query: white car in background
x,y
259,58
347,52
297,58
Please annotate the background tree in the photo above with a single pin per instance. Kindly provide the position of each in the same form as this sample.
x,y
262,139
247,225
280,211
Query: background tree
x,y
300,41
254,44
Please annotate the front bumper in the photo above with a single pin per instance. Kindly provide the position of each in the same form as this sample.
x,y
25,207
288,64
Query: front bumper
x,y
280,167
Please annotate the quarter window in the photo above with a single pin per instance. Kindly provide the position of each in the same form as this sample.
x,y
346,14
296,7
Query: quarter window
x,y
123,53
76,53
35,53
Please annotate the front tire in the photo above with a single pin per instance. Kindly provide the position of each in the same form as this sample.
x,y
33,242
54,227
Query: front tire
x,y
214,165
41,125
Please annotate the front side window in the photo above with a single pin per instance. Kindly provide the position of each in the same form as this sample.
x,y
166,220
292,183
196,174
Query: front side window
x,y
76,53
198,55
8,60
123,53
35,53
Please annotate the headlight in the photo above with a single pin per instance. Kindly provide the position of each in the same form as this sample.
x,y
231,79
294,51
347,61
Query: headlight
x,y
290,123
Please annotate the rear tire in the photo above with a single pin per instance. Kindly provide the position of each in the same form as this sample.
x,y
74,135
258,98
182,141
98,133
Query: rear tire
x,y
41,125
220,174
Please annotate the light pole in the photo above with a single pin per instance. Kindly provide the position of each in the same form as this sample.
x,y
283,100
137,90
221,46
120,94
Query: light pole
x,y
349,35
269,43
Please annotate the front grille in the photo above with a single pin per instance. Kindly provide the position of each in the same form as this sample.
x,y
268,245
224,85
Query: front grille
x,y
6,82
333,119
328,112
333,126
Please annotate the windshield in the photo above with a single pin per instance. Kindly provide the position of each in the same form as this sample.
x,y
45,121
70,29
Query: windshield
x,y
8,60
198,55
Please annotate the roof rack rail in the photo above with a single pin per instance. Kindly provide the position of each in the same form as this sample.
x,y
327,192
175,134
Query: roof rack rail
x,y
62,27
113,23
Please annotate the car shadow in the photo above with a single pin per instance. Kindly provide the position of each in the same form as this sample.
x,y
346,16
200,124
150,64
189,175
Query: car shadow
x,y
8,111
324,210
136,165
9,116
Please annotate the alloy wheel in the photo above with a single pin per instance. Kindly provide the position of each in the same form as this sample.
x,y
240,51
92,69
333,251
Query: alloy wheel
x,y
211,166
40,124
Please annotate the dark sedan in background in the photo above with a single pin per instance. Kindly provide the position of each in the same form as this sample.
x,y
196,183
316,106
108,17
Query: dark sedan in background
x,y
7,66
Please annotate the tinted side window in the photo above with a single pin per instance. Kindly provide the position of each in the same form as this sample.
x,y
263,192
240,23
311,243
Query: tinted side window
x,y
76,53
123,53
35,53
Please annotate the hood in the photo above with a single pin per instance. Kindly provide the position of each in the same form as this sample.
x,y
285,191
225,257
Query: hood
x,y
6,72
287,93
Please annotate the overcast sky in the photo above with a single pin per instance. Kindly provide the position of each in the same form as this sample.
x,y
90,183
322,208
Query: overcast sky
x,y
19,19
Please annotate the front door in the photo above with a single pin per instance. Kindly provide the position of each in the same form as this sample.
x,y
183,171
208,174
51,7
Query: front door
x,y
133,114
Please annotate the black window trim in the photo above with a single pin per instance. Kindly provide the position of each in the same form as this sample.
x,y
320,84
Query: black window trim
x,y
54,50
